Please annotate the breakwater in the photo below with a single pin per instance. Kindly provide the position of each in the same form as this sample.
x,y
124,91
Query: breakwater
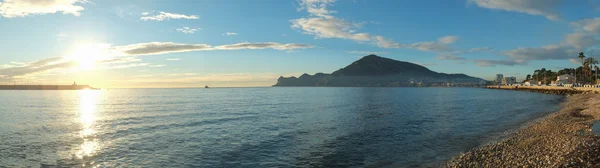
x,y
549,89
46,87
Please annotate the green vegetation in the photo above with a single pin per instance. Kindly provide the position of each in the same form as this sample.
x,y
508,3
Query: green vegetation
x,y
586,73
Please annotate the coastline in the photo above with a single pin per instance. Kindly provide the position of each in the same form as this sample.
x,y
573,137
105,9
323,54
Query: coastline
x,y
550,89
560,139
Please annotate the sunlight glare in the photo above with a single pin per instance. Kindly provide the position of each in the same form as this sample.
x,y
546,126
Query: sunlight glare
x,y
88,55
88,100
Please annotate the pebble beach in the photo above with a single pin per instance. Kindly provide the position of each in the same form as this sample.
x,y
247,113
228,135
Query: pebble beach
x,y
561,139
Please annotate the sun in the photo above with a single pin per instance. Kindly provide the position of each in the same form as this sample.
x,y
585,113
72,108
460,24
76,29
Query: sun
x,y
86,56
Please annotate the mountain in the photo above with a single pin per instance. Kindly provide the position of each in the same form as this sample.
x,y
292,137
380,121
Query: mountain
x,y
373,70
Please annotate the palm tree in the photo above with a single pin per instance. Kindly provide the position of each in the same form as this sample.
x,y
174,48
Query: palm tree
x,y
596,77
593,63
581,56
590,63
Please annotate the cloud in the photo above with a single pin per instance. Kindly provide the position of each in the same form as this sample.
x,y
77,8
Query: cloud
x,y
449,57
123,66
546,8
13,64
37,66
324,25
430,46
22,8
589,25
575,61
479,49
122,60
434,46
187,30
118,57
264,45
230,34
550,52
581,40
493,63
426,64
366,52
317,7
382,42
330,27
154,48
166,16
448,39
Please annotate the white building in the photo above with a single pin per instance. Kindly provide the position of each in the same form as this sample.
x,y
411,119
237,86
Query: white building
x,y
531,83
565,79
499,78
509,80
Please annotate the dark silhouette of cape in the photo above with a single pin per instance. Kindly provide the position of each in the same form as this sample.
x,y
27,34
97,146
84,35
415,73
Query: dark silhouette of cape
x,y
373,70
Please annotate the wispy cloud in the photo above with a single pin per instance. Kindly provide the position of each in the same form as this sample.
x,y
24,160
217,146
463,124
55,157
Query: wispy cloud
x,y
157,66
119,57
323,24
426,64
37,66
546,8
121,60
479,49
449,57
575,61
366,52
187,30
230,34
22,8
165,16
123,66
154,48
583,38
492,63
448,39
441,45
265,45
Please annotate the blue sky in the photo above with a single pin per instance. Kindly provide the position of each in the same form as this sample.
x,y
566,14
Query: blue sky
x,y
144,43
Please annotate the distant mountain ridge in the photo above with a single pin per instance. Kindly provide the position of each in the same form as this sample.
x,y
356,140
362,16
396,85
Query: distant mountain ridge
x,y
373,70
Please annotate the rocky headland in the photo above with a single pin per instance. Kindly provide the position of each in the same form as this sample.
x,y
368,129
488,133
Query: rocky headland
x,y
376,71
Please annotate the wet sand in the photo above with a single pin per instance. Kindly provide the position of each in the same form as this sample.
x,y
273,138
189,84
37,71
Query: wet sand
x,y
561,139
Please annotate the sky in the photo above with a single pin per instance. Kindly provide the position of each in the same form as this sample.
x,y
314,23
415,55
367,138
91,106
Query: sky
x,y
240,43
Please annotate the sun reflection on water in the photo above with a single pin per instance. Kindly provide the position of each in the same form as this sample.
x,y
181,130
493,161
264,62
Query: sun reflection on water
x,y
88,103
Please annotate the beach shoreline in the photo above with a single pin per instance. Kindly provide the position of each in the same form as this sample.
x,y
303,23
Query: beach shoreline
x,y
560,139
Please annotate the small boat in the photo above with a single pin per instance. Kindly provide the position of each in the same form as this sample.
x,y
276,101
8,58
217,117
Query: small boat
x,y
206,87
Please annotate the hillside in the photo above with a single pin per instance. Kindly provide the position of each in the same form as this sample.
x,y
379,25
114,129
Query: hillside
x,y
373,70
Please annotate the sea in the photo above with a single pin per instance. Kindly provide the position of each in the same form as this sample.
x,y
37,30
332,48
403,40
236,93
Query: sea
x,y
258,127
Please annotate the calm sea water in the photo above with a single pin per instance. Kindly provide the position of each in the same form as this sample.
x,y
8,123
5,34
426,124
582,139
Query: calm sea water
x,y
257,127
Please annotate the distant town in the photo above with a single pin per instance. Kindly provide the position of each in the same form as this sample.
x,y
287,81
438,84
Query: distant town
x,y
584,76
